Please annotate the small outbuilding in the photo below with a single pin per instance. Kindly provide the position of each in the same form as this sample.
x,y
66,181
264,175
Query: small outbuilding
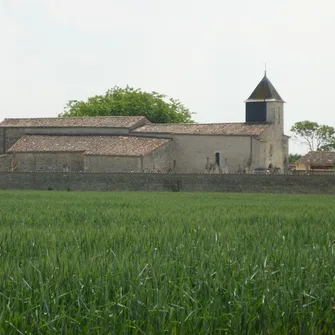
x,y
316,160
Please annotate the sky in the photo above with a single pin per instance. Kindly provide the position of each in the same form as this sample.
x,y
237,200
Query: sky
x,y
208,54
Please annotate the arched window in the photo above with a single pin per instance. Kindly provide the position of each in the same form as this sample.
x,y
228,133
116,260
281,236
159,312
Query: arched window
x,y
217,158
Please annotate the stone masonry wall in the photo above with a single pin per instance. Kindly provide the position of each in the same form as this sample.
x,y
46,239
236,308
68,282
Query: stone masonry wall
x,y
277,144
160,160
5,163
112,164
45,161
191,152
307,184
2,141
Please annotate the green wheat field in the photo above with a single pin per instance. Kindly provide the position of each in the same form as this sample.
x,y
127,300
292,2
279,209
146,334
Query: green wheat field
x,y
166,263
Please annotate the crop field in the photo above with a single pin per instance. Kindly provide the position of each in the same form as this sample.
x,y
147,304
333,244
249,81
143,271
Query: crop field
x,y
166,263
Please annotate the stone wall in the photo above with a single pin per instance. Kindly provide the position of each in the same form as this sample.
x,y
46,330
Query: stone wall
x,y
191,152
5,163
78,162
2,141
46,161
112,163
307,184
160,160
277,143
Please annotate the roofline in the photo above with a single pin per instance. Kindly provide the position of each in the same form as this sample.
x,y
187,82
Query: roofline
x,y
137,131
137,156
140,123
264,100
82,152
140,118
70,117
105,155
18,141
332,151
65,126
72,152
48,151
206,124
192,134
318,164
131,134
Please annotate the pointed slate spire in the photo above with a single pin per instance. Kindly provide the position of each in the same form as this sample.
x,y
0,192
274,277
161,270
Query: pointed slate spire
x,y
265,91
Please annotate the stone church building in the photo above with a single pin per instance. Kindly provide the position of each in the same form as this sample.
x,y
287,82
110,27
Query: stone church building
x,y
134,144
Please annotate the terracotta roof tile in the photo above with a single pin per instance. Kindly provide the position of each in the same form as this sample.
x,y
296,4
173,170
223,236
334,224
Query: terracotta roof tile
x,y
89,145
318,158
97,121
242,129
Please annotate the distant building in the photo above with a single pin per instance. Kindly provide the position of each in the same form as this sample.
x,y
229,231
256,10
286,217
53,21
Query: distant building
x,y
316,160
133,143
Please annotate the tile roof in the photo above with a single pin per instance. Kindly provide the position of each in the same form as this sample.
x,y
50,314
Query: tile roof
x,y
89,145
318,158
96,121
265,91
242,129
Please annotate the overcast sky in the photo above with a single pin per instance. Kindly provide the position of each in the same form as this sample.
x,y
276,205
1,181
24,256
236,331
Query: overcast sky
x,y
208,54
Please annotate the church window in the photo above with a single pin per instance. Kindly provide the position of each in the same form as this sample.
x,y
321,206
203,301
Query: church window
x,y
217,158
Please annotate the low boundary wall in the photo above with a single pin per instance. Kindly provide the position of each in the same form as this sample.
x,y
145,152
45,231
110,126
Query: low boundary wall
x,y
308,184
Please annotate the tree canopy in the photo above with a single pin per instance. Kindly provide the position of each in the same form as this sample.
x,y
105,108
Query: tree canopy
x,y
292,158
128,101
315,136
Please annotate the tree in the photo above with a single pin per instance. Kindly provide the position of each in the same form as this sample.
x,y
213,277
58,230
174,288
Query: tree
x,y
131,102
315,136
292,158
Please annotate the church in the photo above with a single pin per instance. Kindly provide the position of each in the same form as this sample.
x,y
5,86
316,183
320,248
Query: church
x,y
134,144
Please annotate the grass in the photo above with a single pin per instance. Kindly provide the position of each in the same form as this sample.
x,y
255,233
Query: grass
x,y
166,263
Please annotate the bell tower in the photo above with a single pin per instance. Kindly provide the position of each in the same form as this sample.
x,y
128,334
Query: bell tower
x,y
265,105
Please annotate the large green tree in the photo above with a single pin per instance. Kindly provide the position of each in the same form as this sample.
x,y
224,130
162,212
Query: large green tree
x,y
315,136
131,102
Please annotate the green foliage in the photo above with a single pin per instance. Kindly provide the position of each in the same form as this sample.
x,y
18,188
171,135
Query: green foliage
x,y
166,263
292,158
315,136
133,102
